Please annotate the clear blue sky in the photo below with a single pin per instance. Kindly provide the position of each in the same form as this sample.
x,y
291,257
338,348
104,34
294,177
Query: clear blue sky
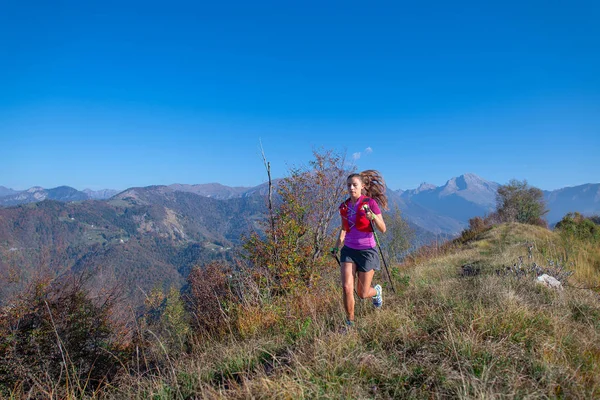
x,y
114,94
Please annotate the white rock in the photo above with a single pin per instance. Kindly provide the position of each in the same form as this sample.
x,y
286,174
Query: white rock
x,y
549,281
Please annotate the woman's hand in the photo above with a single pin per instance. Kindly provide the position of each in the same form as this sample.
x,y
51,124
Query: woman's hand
x,y
370,215
377,219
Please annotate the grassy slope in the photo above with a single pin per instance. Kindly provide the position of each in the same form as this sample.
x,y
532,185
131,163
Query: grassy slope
x,y
442,336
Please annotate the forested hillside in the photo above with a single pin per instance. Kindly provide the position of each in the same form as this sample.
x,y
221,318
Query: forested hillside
x,y
142,238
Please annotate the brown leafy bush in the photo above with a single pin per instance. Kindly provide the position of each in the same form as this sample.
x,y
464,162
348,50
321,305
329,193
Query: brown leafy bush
x,y
477,225
210,298
55,335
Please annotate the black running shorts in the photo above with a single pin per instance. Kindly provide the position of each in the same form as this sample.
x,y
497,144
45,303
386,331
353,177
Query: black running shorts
x,y
365,260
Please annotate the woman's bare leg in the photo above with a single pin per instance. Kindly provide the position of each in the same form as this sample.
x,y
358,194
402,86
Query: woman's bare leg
x,y
348,270
363,286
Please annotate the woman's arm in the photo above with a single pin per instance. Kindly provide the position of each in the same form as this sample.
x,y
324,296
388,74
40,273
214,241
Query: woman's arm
x,y
377,221
374,214
341,238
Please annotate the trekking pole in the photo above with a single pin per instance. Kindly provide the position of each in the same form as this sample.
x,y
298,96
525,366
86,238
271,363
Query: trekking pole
x,y
367,209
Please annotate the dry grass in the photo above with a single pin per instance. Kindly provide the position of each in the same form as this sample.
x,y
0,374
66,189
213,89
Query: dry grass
x,y
443,336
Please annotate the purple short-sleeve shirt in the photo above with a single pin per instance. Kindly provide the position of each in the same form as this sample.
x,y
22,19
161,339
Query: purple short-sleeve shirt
x,y
356,239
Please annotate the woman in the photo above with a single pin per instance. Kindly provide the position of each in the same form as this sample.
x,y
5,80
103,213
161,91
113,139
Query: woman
x,y
359,254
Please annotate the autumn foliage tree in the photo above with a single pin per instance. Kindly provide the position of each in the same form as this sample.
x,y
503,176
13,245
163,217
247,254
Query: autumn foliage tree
x,y
294,244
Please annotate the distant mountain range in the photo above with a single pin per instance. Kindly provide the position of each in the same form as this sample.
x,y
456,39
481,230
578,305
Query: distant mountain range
x,y
10,197
448,208
442,209
153,235
583,198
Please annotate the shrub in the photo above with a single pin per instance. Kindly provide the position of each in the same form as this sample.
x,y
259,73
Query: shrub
x,y
476,226
55,334
580,227
164,322
209,297
519,202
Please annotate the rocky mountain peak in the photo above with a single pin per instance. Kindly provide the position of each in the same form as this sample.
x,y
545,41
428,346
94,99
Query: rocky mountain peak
x,y
470,182
424,187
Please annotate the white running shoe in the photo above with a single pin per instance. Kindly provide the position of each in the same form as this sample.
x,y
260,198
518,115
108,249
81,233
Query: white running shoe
x,y
378,298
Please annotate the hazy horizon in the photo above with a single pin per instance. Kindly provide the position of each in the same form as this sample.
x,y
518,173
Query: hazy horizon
x,y
251,186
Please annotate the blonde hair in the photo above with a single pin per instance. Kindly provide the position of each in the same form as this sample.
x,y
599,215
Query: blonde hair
x,y
374,186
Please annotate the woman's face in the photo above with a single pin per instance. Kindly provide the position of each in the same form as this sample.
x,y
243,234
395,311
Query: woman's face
x,y
355,187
